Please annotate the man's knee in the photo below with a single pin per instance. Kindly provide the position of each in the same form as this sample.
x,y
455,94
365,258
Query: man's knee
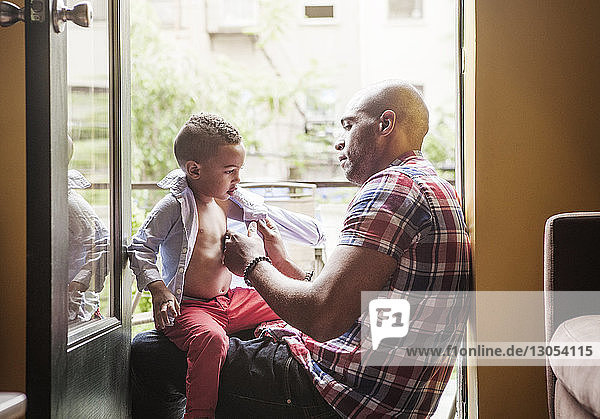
x,y
156,362
158,370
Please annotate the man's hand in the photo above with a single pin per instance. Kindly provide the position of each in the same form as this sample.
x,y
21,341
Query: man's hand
x,y
273,243
240,250
276,250
164,304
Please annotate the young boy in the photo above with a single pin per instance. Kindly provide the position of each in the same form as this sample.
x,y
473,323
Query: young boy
x,y
193,302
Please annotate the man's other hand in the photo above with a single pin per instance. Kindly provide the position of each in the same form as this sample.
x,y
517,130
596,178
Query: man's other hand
x,y
273,242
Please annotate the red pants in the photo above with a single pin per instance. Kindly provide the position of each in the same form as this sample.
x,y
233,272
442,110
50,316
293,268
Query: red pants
x,y
201,330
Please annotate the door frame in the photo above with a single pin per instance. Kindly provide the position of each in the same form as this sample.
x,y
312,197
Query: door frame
x,y
45,71
47,351
462,395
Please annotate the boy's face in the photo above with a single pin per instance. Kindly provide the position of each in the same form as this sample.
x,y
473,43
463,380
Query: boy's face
x,y
218,177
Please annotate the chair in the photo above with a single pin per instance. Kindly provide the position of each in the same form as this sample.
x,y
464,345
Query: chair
x,y
572,263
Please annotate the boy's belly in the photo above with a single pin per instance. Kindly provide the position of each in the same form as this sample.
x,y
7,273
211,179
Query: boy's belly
x,y
206,279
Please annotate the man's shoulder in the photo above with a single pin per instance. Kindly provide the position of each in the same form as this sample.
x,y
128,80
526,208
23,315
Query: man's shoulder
x,y
387,191
419,176
393,189
392,179
412,170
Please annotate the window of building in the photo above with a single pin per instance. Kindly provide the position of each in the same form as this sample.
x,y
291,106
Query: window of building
x,y
169,12
231,16
320,112
319,12
405,9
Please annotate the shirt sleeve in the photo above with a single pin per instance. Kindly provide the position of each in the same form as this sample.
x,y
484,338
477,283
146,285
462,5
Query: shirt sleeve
x,y
143,250
297,227
96,263
386,214
88,243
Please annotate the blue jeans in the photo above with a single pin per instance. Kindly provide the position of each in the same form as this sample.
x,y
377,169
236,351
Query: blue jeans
x,y
259,378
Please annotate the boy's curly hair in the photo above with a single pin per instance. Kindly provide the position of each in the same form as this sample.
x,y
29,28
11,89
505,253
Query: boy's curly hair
x,y
201,135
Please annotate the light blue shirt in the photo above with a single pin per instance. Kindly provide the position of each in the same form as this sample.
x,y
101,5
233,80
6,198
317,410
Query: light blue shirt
x,y
171,228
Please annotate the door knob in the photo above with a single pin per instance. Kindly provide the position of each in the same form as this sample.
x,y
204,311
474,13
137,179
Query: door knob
x,y
80,14
10,13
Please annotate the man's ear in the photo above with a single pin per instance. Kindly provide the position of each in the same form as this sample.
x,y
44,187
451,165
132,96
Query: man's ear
x,y
387,121
192,169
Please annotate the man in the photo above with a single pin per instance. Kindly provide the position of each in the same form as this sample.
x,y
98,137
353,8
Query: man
x,y
404,230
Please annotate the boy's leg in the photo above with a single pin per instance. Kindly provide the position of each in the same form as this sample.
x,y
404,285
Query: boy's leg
x,y
199,331
247,309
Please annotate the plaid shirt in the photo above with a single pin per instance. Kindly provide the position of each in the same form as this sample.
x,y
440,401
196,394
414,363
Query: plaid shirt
x,y
408,212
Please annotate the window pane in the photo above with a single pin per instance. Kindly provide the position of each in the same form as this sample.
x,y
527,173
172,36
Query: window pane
x,y
405,9
88,195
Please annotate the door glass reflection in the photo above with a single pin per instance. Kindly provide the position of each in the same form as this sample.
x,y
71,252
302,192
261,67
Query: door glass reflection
x,y
89,200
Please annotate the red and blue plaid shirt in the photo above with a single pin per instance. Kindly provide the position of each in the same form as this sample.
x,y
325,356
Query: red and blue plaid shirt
x,y
408,212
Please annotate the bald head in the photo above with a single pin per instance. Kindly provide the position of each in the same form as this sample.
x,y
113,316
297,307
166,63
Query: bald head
x,y
412,116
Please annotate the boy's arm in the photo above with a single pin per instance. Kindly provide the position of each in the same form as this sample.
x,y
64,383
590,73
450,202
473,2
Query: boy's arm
x,y
248,206
143,253
143,250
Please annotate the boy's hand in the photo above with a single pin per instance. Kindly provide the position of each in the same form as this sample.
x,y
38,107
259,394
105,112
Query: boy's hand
x,y
164,304
273,243
241,250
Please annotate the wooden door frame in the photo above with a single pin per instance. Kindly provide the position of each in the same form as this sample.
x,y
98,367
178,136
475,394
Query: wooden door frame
x,y
462,376
47,213
46,342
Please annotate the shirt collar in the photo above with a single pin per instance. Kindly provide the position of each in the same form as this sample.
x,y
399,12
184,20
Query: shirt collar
x,y
406,157
175,181
253,205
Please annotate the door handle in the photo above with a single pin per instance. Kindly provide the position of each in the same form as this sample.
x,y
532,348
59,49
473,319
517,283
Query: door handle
x,y
10,14
80,14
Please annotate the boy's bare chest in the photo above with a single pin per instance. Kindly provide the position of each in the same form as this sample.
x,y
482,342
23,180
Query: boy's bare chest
x,y
212,224
206,276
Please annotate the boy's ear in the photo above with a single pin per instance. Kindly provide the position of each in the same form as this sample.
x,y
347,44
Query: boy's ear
x,y
192,169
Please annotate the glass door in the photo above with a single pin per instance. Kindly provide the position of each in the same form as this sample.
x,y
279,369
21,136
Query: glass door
x,y
90,280
78,299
